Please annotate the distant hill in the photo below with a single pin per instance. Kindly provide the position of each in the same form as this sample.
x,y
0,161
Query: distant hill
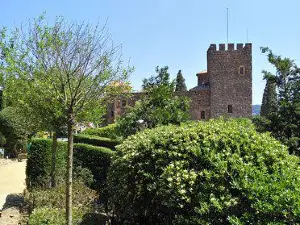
x,y
256,109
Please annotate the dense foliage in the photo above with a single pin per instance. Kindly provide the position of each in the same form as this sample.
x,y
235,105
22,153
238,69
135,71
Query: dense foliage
x,y
269,101
180,82
108,131
95,140
1,97
284,121
158,106
2,139
16,126
91,164
39,160
216,172
64,65
96,159
49,205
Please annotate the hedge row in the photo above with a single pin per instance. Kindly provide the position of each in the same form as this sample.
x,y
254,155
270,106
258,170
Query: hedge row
x,y
107,131
39,163
96,159
96,141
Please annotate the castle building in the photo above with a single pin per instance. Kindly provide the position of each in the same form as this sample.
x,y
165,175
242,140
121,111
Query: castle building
x,y
225,89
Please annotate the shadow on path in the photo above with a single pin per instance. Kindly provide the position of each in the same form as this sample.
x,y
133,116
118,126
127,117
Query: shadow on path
x,y
13,200
10,214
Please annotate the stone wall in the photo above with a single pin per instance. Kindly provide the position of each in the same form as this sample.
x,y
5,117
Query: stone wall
x,y
203,78
228,86
199,101
120,105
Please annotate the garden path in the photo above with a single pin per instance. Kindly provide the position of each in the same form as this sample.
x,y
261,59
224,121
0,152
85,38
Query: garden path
x,y
12,183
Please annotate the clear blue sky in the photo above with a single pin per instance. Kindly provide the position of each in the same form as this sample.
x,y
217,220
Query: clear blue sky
x,y
177,33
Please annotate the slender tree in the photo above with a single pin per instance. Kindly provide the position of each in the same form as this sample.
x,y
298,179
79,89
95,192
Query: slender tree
x,y
269,101
284,124
73,63
180,82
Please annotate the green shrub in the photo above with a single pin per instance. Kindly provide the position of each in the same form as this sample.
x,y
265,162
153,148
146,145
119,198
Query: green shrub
x,y
39,160
53,216
90,164
108,131
95,140
2,139
47,216
83,175
83,197
16,125
96,159
49,205
216,172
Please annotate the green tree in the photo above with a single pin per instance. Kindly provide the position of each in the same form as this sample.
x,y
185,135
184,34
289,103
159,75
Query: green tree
x,y
25,92
70,64
180,82
16,127
284,124
1,98
269,101
158,106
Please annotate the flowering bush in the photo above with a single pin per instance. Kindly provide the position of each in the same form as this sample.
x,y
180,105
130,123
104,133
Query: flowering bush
x,y
216,172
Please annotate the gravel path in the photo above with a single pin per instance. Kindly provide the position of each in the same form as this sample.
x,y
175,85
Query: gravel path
x,y
4,162
12,184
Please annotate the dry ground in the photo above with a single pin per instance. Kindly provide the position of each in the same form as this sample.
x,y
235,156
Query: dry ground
x,y
12,184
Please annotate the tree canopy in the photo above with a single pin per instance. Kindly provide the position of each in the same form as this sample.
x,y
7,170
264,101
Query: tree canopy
x,y
284,122
16,126
158,105
62,70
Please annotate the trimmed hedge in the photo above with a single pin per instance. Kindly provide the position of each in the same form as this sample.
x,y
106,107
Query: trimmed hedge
x,y
96,159
96,141
38,166
108,131
215,172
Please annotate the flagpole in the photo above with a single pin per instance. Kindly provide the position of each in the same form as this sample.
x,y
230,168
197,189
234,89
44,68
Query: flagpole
x,y
227,26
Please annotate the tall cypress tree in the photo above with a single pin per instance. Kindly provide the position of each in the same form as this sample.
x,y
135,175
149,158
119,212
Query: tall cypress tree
x,y
180,82
269,101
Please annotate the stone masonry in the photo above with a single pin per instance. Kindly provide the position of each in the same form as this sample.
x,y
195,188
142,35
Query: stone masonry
x,y
225,89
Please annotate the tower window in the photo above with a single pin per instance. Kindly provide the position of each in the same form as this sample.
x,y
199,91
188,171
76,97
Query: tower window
x,y
229,108
202,115
241,70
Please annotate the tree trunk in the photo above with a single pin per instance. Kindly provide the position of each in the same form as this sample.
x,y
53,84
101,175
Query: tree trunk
x,y
69,169
14,150
53,163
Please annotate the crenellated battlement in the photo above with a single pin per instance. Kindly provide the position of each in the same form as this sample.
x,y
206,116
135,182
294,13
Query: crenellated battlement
x,y
229,47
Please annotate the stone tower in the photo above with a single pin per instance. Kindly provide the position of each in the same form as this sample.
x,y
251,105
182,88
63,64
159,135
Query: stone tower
x,y
230,79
